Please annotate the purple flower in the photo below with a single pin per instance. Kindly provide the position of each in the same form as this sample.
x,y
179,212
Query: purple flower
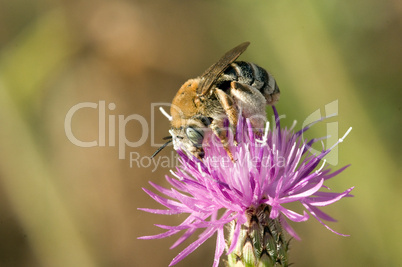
x,y
271,168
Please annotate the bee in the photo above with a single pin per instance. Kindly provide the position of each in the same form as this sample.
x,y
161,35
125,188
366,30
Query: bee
x,y
228,87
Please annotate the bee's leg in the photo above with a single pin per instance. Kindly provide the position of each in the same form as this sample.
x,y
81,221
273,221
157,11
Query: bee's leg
x,y
230,110
218,129
251,102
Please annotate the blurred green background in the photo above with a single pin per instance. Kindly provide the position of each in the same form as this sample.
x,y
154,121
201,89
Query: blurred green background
x,y
65,205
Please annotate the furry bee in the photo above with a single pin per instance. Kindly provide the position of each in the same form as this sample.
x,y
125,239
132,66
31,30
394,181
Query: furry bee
x,y
226,88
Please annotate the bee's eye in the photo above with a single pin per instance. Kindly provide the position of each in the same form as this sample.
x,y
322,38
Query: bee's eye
x,y
195,136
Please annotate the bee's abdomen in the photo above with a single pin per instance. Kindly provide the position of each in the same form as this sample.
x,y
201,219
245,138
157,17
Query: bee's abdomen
x,y
250,74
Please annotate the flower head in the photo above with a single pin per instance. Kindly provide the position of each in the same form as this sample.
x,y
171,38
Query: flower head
x,y
271,169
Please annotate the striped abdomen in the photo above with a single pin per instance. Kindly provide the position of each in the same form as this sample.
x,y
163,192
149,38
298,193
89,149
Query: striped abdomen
x,y
251,74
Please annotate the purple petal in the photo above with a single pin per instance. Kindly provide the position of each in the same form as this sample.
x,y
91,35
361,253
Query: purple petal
x,y
220,246
318,219
320,213
324,201
159,236
288,228
326,177
193,246
163,212
165,202
183,238
235,237
302,195
294,216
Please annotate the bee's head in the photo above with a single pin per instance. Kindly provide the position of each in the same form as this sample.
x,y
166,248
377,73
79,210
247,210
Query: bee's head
x,y
190,134
190,139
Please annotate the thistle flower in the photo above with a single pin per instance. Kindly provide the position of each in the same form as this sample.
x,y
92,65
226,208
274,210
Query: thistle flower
x,y
271,169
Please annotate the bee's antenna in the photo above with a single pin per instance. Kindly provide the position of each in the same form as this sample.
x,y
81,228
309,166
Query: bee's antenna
x,y
163,146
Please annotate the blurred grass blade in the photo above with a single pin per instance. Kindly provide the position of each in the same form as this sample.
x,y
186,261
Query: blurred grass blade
x,y
26,177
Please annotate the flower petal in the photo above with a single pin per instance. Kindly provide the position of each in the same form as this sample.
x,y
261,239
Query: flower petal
x,y
288,228
193,246
318,219
324,201
220,246
302,195
294,216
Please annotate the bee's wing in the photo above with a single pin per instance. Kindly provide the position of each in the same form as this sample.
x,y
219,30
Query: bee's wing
x,y
212,73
